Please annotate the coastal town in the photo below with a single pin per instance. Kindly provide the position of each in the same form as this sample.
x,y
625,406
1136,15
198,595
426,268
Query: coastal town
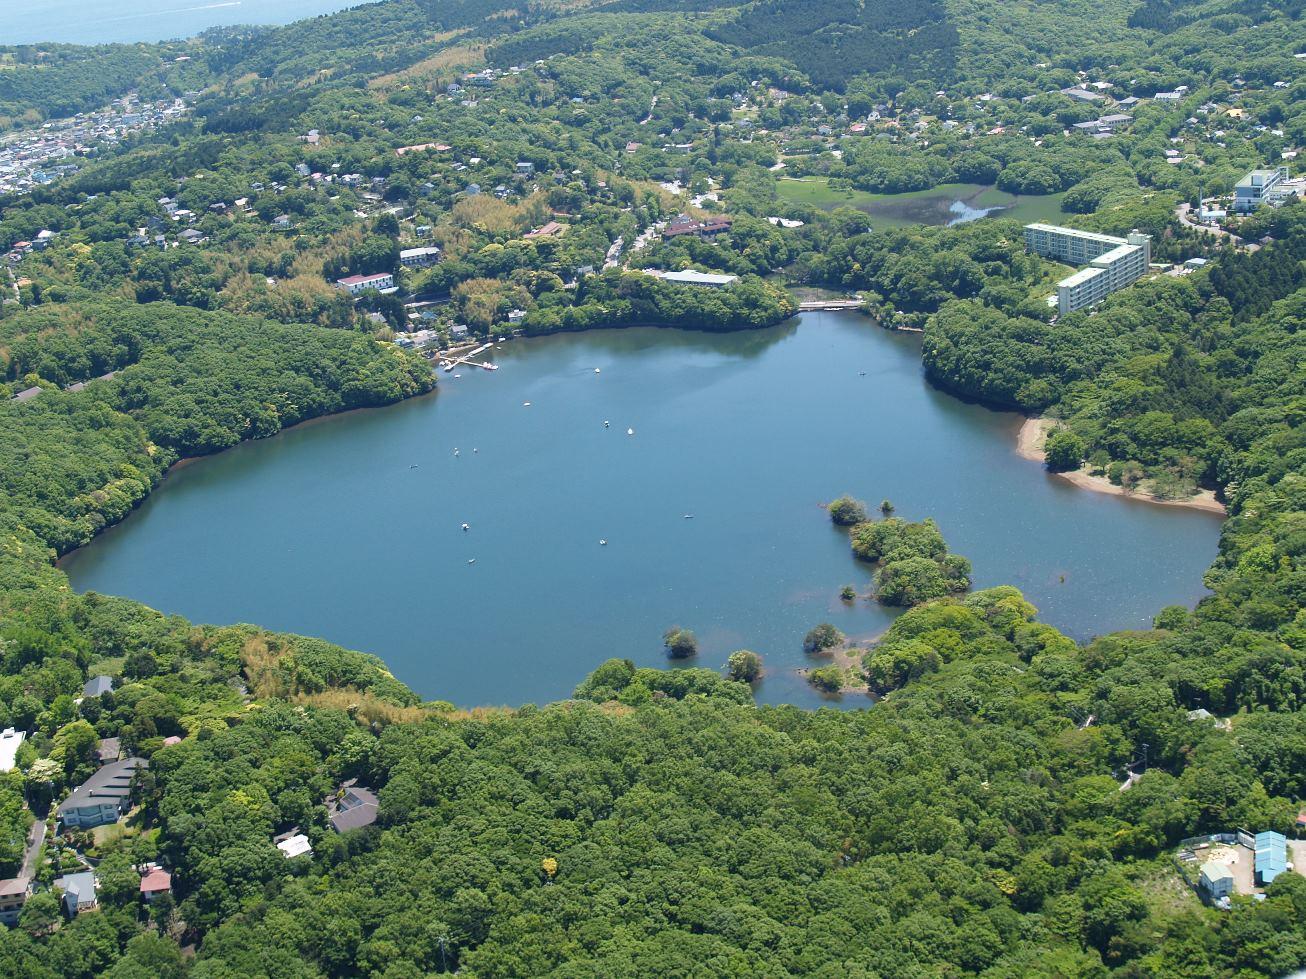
x,y
37,157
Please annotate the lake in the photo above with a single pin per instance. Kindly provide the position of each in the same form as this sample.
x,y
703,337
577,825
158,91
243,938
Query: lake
x,y
127,21
328,528
946,204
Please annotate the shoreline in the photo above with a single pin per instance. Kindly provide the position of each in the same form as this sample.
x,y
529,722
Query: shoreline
x,y
1029,445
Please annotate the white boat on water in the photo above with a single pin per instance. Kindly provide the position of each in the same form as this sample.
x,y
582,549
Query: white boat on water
x,y
630,431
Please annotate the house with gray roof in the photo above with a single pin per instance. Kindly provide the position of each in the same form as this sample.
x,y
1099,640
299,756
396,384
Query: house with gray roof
x,y
352,807
97,685
78,892
103,797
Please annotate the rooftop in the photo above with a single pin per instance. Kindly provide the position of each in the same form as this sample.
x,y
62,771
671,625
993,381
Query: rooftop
x,y
1213,871
691,277
14,886
97,685
295,846
10,741
353,280
1086,235
1115,254
1258,178
112,783
156,880
1082,276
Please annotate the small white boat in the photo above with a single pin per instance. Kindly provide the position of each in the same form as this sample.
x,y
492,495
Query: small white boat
x,y
471,560
603,543
467,527
689,516
630,431
606,424
525,404
457,375
455,452
597,371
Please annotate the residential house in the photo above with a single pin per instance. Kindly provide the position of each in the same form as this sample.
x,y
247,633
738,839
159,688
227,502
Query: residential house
x,y
27,394
154,882
103,797
10,741
295,846
14,893
97,685
549,230
352,807
683,224
108,750
78,892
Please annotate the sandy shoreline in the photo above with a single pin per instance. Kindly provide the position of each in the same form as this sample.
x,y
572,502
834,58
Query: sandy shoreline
x,y
1029,445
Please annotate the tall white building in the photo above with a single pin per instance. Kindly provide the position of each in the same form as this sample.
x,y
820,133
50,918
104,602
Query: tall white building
x,y
1111,263
1257,188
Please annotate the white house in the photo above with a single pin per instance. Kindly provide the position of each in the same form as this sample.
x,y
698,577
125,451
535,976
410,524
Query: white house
x,y
356,285
10,742
295,846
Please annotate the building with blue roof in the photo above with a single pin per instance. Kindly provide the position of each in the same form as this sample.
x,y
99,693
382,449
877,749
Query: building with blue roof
x,y
1271,856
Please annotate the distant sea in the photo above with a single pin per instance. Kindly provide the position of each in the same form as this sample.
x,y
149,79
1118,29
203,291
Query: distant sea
x,y
101,22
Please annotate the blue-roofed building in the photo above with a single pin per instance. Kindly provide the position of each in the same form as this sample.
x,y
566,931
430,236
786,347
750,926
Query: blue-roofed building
x,y
1271,856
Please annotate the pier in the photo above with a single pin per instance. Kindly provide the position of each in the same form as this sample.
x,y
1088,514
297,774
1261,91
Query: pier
x,y
828,305
452,361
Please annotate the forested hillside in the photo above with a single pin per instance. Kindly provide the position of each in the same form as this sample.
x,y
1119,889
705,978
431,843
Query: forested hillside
x,y
1012,803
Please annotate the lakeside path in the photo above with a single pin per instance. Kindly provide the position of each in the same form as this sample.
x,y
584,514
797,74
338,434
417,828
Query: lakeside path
x,y
1029,445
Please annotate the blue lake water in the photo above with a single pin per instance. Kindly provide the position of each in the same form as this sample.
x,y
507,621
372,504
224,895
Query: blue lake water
x,y
328,529
125,21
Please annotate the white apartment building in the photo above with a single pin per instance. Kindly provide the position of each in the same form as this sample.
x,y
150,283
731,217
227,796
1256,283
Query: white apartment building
x,y
1112,263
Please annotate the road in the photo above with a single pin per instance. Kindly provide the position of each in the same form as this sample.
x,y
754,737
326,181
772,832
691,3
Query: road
x,y
1184,212
35,839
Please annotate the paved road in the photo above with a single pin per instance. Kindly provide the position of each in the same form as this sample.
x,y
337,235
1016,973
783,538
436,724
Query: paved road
x,y
34,841
1185,215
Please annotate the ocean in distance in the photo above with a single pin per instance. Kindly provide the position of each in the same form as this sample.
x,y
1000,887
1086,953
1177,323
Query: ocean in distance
x,y
351,528
128,21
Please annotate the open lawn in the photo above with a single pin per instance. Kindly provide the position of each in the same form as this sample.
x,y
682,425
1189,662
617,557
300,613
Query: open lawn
x,y
944,204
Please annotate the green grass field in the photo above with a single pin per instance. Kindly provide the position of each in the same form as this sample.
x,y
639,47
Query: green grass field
x,y
921,207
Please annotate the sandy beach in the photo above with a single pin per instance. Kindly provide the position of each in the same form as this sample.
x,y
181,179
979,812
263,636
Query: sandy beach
x,y
1029,445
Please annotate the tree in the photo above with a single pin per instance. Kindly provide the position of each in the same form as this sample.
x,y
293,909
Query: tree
x,y
680,643
828,679
822,637
846,511
74,746
1064,450
41,914
744,665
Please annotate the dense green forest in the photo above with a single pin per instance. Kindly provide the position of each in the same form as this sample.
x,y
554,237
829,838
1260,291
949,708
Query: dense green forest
x,y
1012,803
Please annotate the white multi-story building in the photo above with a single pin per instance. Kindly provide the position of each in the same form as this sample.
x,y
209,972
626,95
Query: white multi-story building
x,y
356,285
1112,263
1257,188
